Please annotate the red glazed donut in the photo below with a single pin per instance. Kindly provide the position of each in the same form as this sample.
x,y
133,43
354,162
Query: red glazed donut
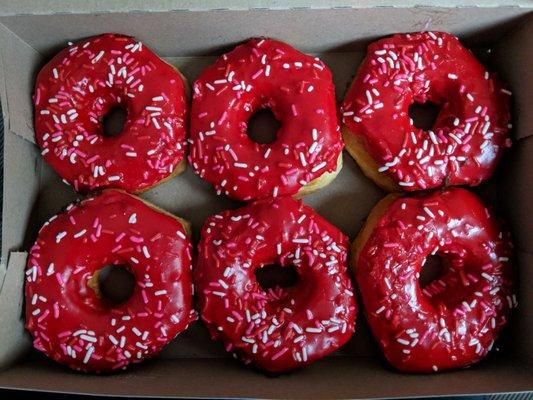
x,y
277,329
467,139
69,319
80,85
299,91
454,321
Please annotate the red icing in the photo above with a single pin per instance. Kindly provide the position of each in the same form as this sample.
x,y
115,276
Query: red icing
x,y
467,139
77,88
454,321
298,89
279,329
67,320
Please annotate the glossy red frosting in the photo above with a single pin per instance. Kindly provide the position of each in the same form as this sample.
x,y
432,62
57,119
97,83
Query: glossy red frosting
x,y
282,328
297,88
454,321
74,326
77,88
471,129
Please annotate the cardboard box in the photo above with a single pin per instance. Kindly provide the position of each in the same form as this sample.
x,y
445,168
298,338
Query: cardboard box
x,y
190,34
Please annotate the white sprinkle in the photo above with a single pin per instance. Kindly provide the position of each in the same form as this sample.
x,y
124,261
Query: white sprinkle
x,y
297,240
133,218
318,166
88,338
50,270
60,236
456,138
406,183
80,233
145,252
428,212
98,56
452,76
486,276
160,292
90,350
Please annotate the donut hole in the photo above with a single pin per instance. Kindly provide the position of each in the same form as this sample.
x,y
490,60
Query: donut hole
x,y
432,270
272,276
113,121
263,126
424,115
116,284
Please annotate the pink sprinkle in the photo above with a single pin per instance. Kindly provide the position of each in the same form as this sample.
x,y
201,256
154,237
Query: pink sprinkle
x,y
294,110
279,353
43,315
64,334
136,239
59,279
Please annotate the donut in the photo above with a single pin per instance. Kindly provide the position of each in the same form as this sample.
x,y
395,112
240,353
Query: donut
x,y
298,89
80,85
454,321
466,141
277,329
70,319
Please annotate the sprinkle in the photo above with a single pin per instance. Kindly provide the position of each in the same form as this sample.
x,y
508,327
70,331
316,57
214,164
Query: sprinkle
x,y
98,56
60,236
318,166
88,355
406,183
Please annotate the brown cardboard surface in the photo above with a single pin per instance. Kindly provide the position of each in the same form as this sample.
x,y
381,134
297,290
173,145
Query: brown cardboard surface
x,y
515,66
193,366
339,377
516,181
523,318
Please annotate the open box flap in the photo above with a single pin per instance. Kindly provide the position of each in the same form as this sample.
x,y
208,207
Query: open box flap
x,y
66,6
17,63
22,166
15,340
476,26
